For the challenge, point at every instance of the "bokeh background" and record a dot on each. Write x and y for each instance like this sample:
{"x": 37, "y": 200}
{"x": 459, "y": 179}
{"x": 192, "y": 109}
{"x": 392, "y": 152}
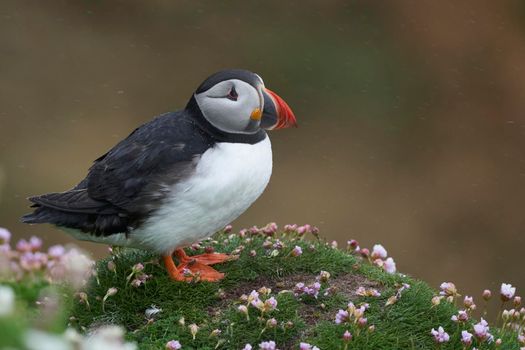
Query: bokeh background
{"x": 412, "y": 124}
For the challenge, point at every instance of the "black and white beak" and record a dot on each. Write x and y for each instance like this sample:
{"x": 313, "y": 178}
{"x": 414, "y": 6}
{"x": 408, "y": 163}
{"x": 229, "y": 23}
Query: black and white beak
{"x": 276, "y": 113}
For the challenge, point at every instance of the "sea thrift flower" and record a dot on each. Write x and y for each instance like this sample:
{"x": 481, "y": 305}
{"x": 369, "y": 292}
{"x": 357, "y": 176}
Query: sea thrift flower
{"x": 111, "y": 291}
{"x": 270, "y": 304}
{"x": 436, "y": 300}
{"x": 378, "y": 252}
{"x": 112, "y": 266}
{"x": 365, "y": 253}
{"x": 5, "y": 236}
{"x": 507, "y": 292}
{"x": 267, "y": 345}
{"x": 462, "y": 316}
{"x": 481, "y": 330}
{"x": 193, "y": 330}
{"x": 228, "y": 229}
{"x": 487, "y": 294}
{"x": 347, "y": 336}
{"x": 324, "y": 276}
{"x": 468, "y": 302}
{"x": 361, "y": 291}
{"x": 35, "y": 243}
{"x": 341, "y": 316}
{"x": 271, "y": 323}
{"x": 247, "y": 347}
{"x": 296, "y": 251}
{"x": 466, "y": 338}
{"x": 173, "y": 345}
{"x": 333, "y": 245}
{"x": 23, "y": 246}
{"x": 306, "y": 346}
{"x": 243, "y": 310}
{"x": 517, "y": 301}
{"x": 389, "y": 265}
{"x": 448, "y": 289}
{"x": 440, "y": 336}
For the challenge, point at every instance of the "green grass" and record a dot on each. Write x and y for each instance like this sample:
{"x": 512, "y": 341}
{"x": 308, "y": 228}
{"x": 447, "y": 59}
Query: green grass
{"x": 403, "y": 325}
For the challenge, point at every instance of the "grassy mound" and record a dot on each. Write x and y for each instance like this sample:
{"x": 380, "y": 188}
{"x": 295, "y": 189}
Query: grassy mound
{"x": 204, "y": 315}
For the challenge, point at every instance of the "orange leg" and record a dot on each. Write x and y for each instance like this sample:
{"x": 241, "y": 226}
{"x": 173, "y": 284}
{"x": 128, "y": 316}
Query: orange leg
{"x": 205, "y": 259}
{"x": 190, "y": 269}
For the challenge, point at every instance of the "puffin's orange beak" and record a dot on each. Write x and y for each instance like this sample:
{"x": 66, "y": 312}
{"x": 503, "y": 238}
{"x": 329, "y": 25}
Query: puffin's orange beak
{"x": 276, "y": 114}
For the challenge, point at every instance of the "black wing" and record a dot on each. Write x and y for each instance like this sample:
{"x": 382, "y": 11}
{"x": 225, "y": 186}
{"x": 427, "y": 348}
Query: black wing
{"x": 130, "y": 181}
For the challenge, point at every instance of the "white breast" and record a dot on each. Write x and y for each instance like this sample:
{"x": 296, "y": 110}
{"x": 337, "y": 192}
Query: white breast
{"x": 228, "y": 179}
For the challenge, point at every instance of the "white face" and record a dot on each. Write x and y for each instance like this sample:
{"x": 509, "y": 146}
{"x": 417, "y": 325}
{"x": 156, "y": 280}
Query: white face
{"x": 230, "y": 105}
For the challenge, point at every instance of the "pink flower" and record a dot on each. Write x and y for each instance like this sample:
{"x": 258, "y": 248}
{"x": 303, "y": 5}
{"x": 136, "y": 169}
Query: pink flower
{"x": 487, "y": 294}
{"x": 468, "y": 302}
{"x": 341, "y": 316}
{"x": 466, "y": 338}
{"x": 270, "y": 304}
{"x": 347, "y": 336}
{"x": 362, "y": 291}
{"x": 378, "y": 252}
{"x": 389, "y": 265}
{"x": 507, "y": 292}
{"x": 35, "y": 243}
{"x": 440, "y": 336}
{"x": 5, "y": 235}
{"x": 296, "y": 251}
{"x": 173, "y": 345}
{"x": 481, "y": 330}
{"x": 306, "y": 346}
{"x": 365, "y": 253}
{"x": 462, "y": 316}
{"x": 247, "y": 347}
{"x": 56, "y": 251}
{"x": 448, "y": 289}
{"x": 23, "y": 246}
{"x": 267, "y": 345}
{"x": 228, "y": 229}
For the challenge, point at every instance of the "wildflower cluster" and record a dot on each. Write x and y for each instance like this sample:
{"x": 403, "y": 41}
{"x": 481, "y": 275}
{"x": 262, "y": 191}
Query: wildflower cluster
{"x": 378, "y": 256}
{"x": 27, "y": 260}
{"x": 260, "y": 300}
{"x": 137, "y": 275}
{"x": 478, "y": 333}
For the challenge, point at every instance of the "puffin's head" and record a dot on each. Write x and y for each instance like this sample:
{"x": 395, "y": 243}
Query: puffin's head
{"x": 236, "y": 101}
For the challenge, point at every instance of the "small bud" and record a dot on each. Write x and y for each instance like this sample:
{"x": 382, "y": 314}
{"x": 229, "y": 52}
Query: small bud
{"x": 112, "y": 266}
{"x": 253, "y": 253}
{"x": 228, "y": 229}
{"x": 371, "y": 328}
{"x": 182, "y": 321}
{"x": 487, "y": 294}
{"x": 289, "y": 325}
{"x": 215, "y": 333}
{"x": 193, "y": 330}
{"x": 517, "y": 301}
{"x": 271, "y": 323}
{"x": 436, "y": 300}
{"x": 347, "y": 336}
{"x": 324, "y": 276}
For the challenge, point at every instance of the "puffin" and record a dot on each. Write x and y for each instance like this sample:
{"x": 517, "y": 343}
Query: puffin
{"x": 178, "y": 178}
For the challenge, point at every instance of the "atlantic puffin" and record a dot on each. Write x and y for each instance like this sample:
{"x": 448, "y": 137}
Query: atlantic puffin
{"x": 178, "y": 178}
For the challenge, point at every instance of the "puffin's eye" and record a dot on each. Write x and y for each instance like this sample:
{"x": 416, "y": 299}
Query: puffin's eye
{"x": 232, "y": 95}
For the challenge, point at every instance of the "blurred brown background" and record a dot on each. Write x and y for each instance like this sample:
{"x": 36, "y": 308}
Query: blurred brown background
{"x": 412, "y": 125}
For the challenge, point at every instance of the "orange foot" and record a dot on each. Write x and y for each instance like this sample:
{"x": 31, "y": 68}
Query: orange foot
{"x": 196, "y": 267}
{"x": 204, "y": 259}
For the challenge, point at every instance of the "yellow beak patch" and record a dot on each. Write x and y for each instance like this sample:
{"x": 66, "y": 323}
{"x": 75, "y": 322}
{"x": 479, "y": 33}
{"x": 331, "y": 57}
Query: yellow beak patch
{"x": 256, "y": 114}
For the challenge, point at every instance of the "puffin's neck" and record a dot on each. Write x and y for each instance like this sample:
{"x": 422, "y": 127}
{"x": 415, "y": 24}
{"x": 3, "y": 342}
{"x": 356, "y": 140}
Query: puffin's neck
{"x": 193, "y": 110}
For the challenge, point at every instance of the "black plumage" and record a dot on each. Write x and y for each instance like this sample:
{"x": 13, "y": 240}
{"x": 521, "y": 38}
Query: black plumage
{"x": 127, "y": 184}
